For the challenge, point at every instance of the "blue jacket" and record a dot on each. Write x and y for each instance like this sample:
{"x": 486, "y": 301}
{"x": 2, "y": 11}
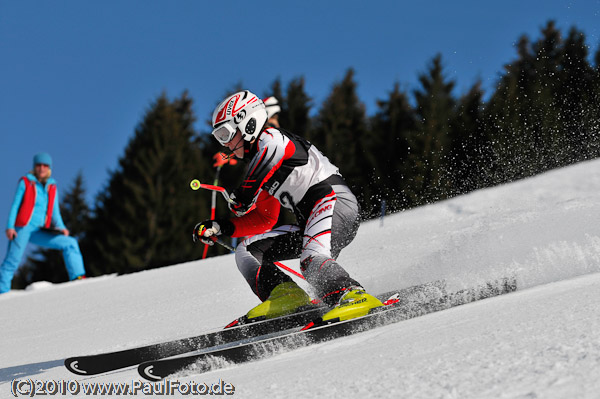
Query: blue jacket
{"x": 40, "y": 207}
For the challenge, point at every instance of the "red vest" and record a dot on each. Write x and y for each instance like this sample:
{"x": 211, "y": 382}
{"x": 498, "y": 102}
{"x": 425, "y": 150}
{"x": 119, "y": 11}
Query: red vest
{"x": 28, "y": 203}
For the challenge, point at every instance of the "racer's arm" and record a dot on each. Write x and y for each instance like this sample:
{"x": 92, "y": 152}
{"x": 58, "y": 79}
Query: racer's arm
{"x": 273, "y": 150}
{"x": 262, "y": 218}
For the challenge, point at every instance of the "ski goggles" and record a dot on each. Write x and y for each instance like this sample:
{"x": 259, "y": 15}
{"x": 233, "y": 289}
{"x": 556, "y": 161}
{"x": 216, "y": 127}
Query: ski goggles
{"x": 224, "y": 133}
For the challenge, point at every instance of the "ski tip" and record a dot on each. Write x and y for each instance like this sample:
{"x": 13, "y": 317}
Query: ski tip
{"x": 72, "y": 364}
{"x": 147, "y": 371}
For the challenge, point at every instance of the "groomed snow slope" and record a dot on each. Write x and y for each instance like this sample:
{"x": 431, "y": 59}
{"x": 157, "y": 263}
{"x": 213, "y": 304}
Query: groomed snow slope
{"x": 541, "y": 341}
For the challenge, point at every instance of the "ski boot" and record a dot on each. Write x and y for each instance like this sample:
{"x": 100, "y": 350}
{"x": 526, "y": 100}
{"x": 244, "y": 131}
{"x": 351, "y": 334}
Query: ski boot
{"x": 356, "y": 302}
{"x": 286, "y": 298}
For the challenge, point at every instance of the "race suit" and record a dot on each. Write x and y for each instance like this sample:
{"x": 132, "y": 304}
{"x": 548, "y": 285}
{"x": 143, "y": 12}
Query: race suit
{"x": 287, "y": 170}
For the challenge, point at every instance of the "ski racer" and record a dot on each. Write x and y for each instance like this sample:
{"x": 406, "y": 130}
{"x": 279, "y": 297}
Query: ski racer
{"x": 286, "y": 170}
{"x": 35, "y": 217}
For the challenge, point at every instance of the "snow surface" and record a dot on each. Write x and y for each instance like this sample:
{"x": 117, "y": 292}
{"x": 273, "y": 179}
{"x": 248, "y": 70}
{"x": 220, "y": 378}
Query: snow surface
{"x": 542, "y": 341}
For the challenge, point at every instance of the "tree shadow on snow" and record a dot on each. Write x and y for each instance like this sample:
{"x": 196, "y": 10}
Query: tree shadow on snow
{"x": 27, "y": 370}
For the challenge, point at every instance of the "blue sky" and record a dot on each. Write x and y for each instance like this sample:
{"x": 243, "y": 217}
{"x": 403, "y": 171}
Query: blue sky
{"x": 78, "y": 76}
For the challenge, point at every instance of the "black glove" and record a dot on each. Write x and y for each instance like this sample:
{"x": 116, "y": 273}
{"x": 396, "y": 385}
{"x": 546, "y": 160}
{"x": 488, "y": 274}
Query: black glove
{"x": 238, "y": 207}
{"x": 207, "y": 231}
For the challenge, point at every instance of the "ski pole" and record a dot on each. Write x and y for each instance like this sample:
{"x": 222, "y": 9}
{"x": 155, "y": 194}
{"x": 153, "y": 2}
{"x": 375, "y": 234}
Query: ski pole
{"x": 279, "y": 264}
{"x": 222, "y": 243}
{"x": 213, "y": 204}
{"x": 196, "y": 185}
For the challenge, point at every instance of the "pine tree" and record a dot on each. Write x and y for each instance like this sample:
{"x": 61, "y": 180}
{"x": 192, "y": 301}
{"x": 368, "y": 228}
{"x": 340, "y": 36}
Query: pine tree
{"x": 470, "y": 147}
{"x": 295, "y": 116}
{"x": 579, "y": 110}
{"x": 509, "y": 117}
{"x": 276, "y": 91}
{"x": 340, "y": 130}
{"x": 541, "y": 115}
{"x": 430, "y": 143}
{"x": 144, "y": 217}
{"x": 74, "y": 208}
{"x": 594, "y": 110}
{"x": 545, "y": 135}
{"x": 388, "y": 150}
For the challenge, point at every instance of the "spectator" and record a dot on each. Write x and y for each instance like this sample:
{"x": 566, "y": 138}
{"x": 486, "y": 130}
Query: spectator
{"x": 35, "y": 217}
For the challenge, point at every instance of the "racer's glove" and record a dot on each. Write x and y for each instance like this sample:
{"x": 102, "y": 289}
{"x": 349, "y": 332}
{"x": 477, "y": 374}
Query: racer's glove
{"x": 207, "y": 231}
{"x": 238, "y": 207}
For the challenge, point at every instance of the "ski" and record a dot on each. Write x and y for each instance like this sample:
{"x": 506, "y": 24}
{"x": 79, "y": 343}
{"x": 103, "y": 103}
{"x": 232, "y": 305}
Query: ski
{"x": 103, "y": 362}
{"x": 235, "y": 331}
{"x": 267, "y": 346}
{"x": 252, "y": 349}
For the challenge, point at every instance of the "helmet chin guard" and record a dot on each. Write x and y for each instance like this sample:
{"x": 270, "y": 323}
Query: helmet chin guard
{"x": 243, "y": 111}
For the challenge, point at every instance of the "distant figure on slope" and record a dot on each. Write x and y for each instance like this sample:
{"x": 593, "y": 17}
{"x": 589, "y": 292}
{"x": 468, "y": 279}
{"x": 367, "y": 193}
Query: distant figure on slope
{"x": 35, "y": 217}
{"x": 273, "y": 110}
{"x": 287, "y": 170}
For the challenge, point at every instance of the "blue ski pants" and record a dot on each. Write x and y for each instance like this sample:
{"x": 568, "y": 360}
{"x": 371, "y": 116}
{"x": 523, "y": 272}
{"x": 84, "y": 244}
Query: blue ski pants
{"x": 16, "y": 248}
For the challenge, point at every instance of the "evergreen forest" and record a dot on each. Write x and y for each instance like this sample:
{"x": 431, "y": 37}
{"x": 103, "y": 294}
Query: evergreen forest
{"x": 417, "y": 148}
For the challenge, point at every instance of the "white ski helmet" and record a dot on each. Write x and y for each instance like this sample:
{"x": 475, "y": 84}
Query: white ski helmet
{"x": 242, "y": 110}
{"x": 272, "y": 106}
